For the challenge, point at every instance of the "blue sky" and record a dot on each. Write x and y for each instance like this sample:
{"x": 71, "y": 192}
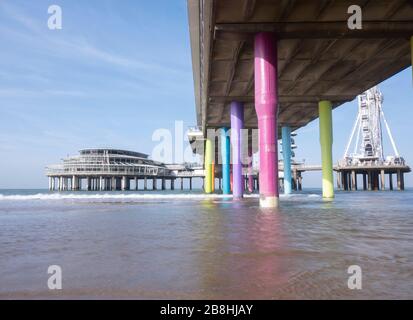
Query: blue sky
{"x": 117, "y": 71}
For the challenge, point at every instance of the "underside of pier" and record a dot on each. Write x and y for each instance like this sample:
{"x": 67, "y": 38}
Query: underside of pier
{"x": 319, "y": 57}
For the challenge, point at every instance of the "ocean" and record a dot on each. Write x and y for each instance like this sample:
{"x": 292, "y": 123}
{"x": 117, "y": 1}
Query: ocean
{"x": 187, "y": 245}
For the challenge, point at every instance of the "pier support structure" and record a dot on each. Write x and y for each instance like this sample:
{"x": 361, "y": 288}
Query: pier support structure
{"x": 250, "y": 183}
{"x": 237, "y": 124}
{"x": 326, "y": 142}
{"x": 286, "y": 147}
{"x": 226, "y": 159}
{"x": 266, "y": 101}
{"x": 208, "y": 165}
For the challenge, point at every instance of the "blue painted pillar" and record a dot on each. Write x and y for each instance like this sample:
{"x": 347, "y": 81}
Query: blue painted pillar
{"x": 286, "y": 138}
{"x": 237, "y": 123}
{"x": 226, "y": 159}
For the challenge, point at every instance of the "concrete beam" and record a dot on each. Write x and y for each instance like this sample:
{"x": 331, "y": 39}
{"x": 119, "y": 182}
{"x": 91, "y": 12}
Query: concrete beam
{"x": 285, "y": 98}
{"x": 315, "y": 30}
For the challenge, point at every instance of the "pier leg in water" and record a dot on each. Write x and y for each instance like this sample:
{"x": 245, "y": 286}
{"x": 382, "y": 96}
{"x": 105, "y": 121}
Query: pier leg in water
{"x": 208, "y": 166}
{"x": 226, "y": 158}
{"x": 266, "y": 102}
{"x": 213, "y": 172}
{"x": 286, "y": 138}
{"x": 250, "y": 173}
{"x": 237, "y": 123}
{"x": 326, "y": 142}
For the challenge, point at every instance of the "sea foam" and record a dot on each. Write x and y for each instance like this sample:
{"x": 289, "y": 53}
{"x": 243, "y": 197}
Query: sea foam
{"x": 133, "y": 196}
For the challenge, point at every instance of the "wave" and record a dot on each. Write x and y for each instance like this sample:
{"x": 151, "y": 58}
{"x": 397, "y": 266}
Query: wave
{"x": 132, "y": 197}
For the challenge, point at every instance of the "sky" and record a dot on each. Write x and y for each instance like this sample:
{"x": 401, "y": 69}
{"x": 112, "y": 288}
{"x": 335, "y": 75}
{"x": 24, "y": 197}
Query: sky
{"x": 114, "y": 74}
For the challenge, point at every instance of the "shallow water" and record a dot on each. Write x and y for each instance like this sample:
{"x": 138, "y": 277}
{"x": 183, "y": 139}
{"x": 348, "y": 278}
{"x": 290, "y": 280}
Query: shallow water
{"x": 158, "y": 245}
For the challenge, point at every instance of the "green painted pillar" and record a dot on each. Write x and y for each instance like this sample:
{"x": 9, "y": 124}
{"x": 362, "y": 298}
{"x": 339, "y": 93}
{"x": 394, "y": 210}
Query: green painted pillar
{"x": 208, "y": 166}
{"x": 326, "y": 142}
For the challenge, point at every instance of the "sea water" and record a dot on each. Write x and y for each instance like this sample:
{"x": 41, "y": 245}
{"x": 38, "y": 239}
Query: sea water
{"x": 188, "y": 245}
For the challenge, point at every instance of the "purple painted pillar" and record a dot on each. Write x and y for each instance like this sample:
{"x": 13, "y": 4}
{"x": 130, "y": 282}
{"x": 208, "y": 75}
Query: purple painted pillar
{"x": 237, "y": 123}
{"x": 266, "y": 100}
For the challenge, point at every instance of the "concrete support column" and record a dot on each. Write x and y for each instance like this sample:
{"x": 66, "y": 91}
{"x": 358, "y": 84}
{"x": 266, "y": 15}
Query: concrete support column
{"x": 123, "y": 183}
{"x": 163, "y": 184}
{"x": 338, "y": 174}
{"x": 369, "y": 180}
{"x": 136, "y": 183}
{"x": 326, "y": 142}
{"x": 101, "y": 184}
{"x": 383, "y": 180}
{"x": 154, "y": 184}
{"x": 364, "y": 182}
{"x": 182, "y": 183}
{"x": 294, "y": 182}
{"x": 145, "y": 183}
{"x": 237, "y": 124}
{"x": 353, "y": 180}
{"x": 50, "y": 183}
{"x": 226, "y": 159}
{"x": 300, "y": 183}
{"x": 250, "y": 172}
{"x": 399, "y": 180}
{"x": 402, "y": 181}
{"x": 208, "y": 166}
{"x": 190, "y": 183}
{"x": 266, "y": 104}
{"x": 75, "y": 183}
{"x": 213, "y": 171}
{"x": 375, "y": 180}
{"x": 391, "y": 181}
{"x": 286, "y": 147}
{"x": 173, "y": 184}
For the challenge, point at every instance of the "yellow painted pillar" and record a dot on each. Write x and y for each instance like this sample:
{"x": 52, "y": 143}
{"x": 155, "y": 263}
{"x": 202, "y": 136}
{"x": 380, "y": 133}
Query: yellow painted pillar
{"x": 208, "y": 166}
{"x": 326, "y": 142}
{"x": 213, "y": 176}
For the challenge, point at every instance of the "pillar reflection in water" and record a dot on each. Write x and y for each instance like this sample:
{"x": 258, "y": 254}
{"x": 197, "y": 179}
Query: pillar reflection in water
{"x": 239, "y": 253}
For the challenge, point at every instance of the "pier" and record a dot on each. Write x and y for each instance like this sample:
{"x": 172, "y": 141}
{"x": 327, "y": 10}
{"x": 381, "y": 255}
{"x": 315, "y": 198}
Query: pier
{"x": 118, "y": 170}
{"x": 275, "y": 66}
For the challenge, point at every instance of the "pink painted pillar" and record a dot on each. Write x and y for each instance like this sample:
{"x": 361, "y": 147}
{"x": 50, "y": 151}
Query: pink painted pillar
{"x": 266, "y": 100}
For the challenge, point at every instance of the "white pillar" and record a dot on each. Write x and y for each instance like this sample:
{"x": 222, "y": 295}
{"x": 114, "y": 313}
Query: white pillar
{"x": 123, "y": 183}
